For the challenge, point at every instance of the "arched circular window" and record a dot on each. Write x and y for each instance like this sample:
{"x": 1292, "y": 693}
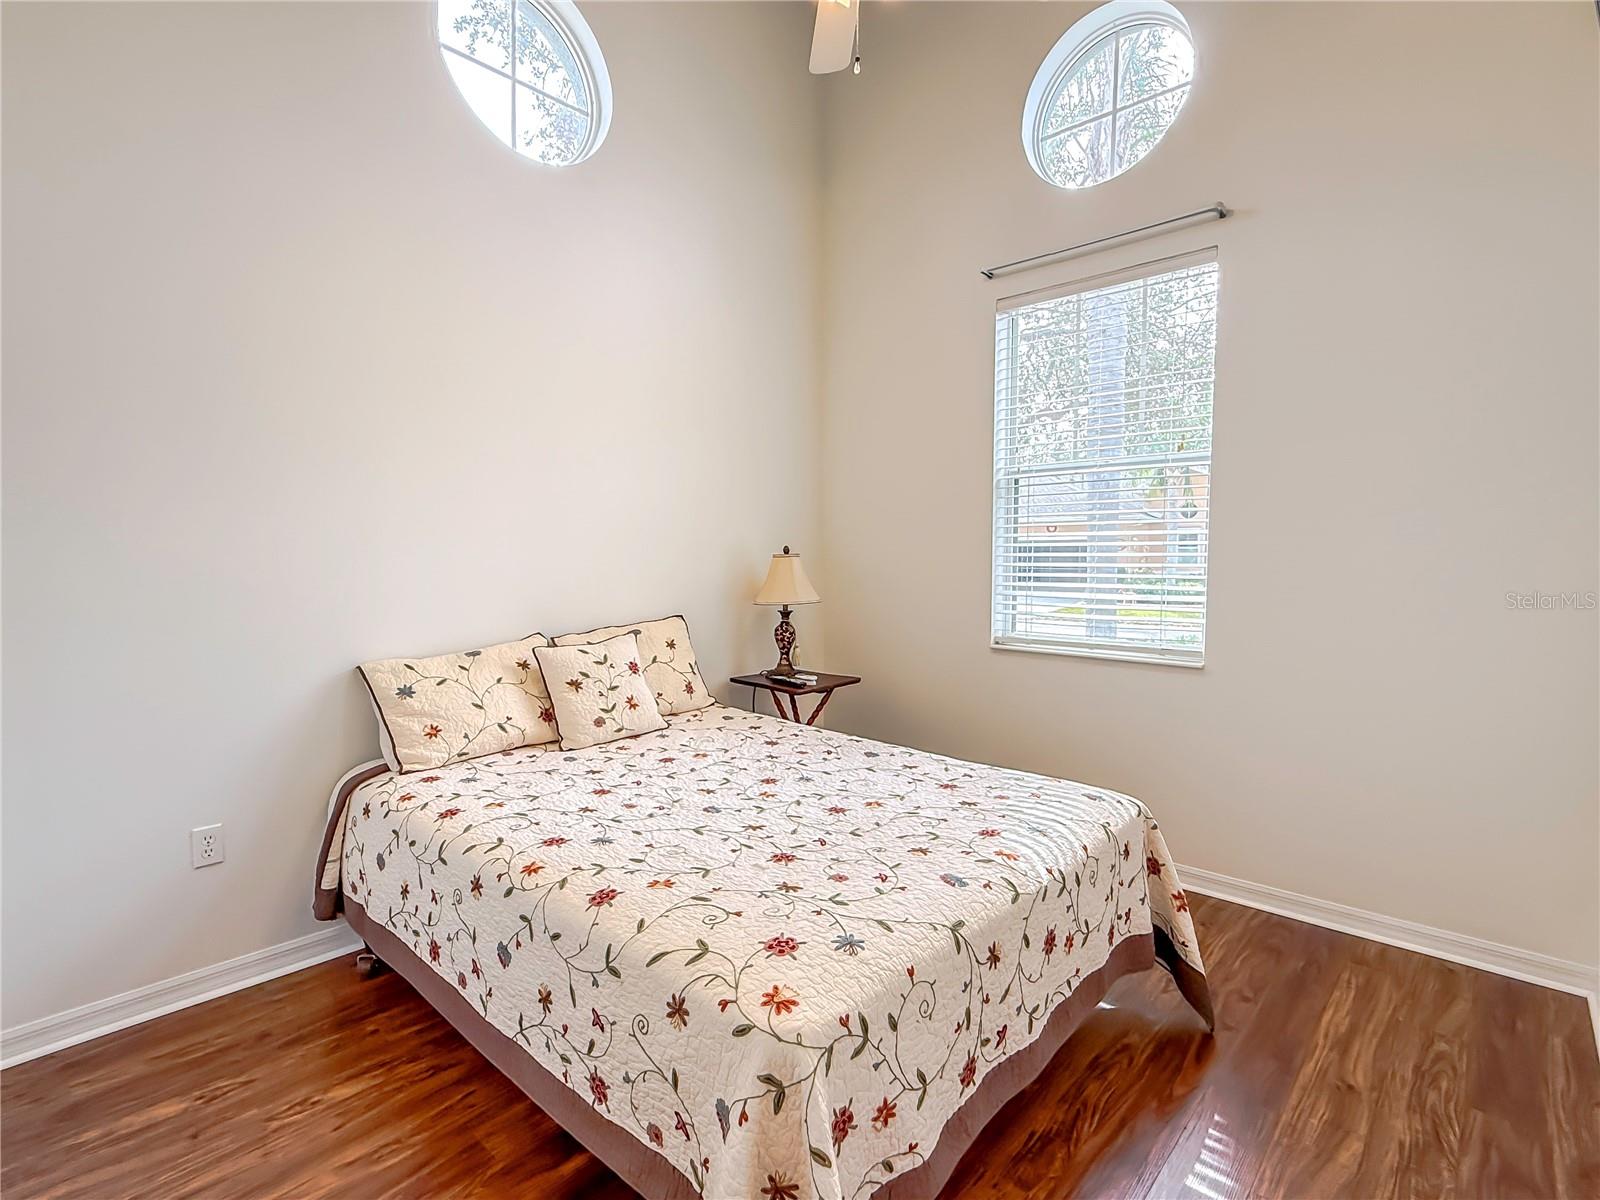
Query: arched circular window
{"x": 1107, "y": 91}
{"x": 532, "y": 72}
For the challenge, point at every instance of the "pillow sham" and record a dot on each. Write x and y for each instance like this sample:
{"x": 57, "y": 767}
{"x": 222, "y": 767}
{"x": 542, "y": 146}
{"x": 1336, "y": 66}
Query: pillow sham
{"x": 667, "y": 659}
{"x": 452, "y": 707}
{"x": 599, "y": 691}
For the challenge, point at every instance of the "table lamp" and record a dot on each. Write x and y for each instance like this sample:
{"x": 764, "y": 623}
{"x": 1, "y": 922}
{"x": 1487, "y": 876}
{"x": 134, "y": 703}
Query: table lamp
{"x": 786, "y": 584}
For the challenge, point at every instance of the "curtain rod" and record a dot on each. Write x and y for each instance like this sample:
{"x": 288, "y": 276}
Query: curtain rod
{"x": 1218, "y": 210}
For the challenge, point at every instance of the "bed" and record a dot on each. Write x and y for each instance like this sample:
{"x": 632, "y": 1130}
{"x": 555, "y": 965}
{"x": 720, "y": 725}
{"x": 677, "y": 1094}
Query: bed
{"x": 741, "y": 957}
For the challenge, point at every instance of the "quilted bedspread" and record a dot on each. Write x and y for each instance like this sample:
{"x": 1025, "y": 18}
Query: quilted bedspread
{"x": 782, "y": 957}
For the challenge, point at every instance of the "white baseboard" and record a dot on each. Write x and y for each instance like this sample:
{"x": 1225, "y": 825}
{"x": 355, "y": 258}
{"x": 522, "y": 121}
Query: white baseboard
{"x": 1392, "y": 931}
{"x": 90, "y": 1021}
{"x": 1526, "y": 965}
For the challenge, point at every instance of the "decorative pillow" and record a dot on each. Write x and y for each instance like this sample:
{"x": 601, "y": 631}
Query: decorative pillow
{"x": 436, "y": 711}
{"x": 668, "y": 662}
{"x": 599, "y": 691}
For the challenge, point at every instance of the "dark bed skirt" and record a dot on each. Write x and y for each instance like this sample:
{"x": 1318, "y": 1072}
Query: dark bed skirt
{"x": 654, "y": 1177}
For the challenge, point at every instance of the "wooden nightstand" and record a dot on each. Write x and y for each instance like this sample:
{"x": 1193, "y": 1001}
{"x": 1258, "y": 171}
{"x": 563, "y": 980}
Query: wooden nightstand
{"x": 825, "y": 686}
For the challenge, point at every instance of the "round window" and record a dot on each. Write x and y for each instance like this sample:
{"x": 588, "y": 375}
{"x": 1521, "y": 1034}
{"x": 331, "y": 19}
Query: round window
{"x": 532, "y": 72}
{"x": 1107, "y": 91}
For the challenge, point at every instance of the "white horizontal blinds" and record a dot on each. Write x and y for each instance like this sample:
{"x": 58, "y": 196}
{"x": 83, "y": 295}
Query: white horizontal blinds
{"x": 1103, "y": 462}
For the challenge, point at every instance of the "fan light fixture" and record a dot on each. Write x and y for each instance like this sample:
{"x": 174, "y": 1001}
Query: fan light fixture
{"x": 836, "y": 41}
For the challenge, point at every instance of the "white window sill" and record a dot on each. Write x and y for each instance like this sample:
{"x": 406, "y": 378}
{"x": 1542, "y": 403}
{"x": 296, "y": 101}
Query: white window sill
{"x": 1111, "y": 655}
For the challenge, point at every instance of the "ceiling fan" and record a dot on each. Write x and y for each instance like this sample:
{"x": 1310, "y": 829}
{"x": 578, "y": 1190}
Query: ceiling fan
{"x": 836, "y": 42}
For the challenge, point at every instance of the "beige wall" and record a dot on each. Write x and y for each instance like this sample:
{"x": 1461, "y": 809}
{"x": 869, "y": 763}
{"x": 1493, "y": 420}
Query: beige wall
{"x": 301, "y": 367}
{"x": 1405, "y": 431}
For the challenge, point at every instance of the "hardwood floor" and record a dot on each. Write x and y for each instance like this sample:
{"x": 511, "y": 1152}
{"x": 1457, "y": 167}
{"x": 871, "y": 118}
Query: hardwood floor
{"x": 1340, "y": 1068}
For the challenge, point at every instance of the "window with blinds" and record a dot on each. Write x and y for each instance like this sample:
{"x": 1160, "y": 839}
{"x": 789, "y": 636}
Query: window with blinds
{"x": 1102, "y": 463}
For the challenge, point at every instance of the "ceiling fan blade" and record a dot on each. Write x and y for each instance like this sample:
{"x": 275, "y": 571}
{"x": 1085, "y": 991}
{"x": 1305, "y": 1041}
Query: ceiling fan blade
{"x": 833, "y": 43}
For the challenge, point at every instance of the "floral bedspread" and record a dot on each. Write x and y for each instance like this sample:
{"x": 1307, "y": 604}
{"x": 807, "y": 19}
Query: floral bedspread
{"x": 781, "y": 956}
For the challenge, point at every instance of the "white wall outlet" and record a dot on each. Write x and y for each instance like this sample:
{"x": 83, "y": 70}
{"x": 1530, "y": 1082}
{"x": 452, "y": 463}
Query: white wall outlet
{"x": 206, "y": 847}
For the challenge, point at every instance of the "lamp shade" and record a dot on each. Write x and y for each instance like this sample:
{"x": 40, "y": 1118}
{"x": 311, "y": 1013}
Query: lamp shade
{"x": 786, "y": 582}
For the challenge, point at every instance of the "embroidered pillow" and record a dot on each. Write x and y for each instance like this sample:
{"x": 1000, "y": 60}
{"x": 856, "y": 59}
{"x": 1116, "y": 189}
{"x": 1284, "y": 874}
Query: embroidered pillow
{"x": 599, "y": 691}
{"x": 436, "y": 711}
{"x": 668, "y": 661}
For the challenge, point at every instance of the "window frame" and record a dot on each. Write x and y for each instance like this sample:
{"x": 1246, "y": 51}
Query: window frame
{"x": 1086, "y": 648}
{"x": 1084, "y": 38}
{"x": 564, "y": 17}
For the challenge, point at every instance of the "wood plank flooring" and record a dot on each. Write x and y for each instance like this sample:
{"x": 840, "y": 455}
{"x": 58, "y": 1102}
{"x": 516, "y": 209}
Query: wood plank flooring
{"x": 1340, "y": 1068}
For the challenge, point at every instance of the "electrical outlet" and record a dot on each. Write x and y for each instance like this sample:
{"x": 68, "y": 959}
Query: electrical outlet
{"x": 206, "y": 847}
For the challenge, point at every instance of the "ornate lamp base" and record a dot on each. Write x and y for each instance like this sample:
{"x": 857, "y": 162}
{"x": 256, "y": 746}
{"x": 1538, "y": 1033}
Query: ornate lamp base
{"x": 784, "y": 635}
